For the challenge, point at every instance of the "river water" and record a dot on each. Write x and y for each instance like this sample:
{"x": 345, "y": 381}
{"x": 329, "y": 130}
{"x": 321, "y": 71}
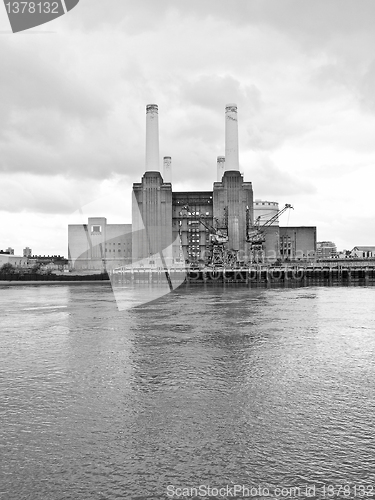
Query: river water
{"x": 203, "y": 388}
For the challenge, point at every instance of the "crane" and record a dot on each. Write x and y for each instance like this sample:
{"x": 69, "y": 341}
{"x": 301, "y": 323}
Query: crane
{"x": 256, "y": 235}
{"x": 216, "y": 235}
{"x": 217, "y": 239}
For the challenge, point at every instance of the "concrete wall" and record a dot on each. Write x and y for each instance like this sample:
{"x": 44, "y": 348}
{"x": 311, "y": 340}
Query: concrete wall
{"x": 297, "y": 242}
{"x": 15, "y": 260}
{"x": 152, "y": 220}
{"x": 231, "y": 199}
{"x": 263, "y": 211}
{"x": 98, "y": 245}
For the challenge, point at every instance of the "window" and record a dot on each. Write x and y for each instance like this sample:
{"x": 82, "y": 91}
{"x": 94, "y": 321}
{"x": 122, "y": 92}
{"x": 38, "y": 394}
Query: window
{"x": 96, "y": 229}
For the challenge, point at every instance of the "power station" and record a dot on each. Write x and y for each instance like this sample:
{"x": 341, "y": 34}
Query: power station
{"x": 224, "y": 227}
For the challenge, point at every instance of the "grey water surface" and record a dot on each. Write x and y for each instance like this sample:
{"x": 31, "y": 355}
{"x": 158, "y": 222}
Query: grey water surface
{"x": 263, "y": 388}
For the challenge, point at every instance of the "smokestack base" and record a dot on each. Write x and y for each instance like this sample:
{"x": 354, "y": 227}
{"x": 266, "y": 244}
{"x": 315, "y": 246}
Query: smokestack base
{"x": 220, "y": 167}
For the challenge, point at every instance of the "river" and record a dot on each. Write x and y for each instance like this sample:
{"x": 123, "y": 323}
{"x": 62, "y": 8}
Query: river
{"x": 189, "y": 396}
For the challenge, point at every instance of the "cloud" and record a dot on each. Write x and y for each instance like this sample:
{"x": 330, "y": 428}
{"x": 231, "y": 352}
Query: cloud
{"x": 270, "y": 181}
{"x": 214, "y": 91}
{"x": 310, "y": 21}
{"x": 367, "y": 89}
{"x": 38, "y": 194}
{"x": 72, "y": 104}
{"x": 32, "y": 79}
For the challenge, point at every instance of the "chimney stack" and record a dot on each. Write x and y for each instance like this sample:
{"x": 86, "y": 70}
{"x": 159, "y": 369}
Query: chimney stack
{"x": 167, "y": 169}
{"x": 220, "y": 167}
{"x": 231, "y": 138}
{"x": 152, "y": 138}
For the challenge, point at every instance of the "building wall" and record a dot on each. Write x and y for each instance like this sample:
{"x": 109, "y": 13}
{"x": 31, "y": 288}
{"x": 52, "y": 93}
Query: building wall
{"x": 118, "y": 247}
{"x": 297, "y": 242}
{"x": 263, "y": 211}
{"x": 15, "y": 260}
{"x": 189, "y": 225}
{"x": 363, "y": 252}
{"x": 152, "y": 220}
{"x": 98, "y": 245}
{"x": 233, "y": 210}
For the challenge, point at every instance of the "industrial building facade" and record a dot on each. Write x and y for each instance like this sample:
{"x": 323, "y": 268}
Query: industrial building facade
{"x": 221, "y": 227}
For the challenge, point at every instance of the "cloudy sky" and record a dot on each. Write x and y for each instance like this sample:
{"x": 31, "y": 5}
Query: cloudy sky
{"x": 72, "y": 110}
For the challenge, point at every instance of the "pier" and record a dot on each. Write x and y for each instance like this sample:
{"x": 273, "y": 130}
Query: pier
{"x": 261, "y": 276}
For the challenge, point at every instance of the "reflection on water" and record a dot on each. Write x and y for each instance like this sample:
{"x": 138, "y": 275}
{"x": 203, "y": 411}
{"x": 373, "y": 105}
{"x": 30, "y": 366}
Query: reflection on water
{"x": 215, "y": 386}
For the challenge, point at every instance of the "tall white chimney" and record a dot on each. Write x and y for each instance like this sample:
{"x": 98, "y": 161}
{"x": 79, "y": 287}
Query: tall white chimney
{"x": 220, "y": 167}
{"x": 167, "y": 169}
{"x": 231, "y": 138}
{"x": 152, "y": 138}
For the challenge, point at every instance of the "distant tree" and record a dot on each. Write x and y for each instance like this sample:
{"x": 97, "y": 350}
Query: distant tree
{"x": 36, "y": 267}
{"x": 7, "y": 268}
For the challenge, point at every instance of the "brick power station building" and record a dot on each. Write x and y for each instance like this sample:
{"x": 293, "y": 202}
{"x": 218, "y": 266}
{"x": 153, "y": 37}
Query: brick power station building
{"x": 196, "y": 227}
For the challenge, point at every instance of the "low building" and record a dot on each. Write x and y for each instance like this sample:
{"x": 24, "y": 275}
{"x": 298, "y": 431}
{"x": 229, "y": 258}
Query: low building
{"x": 297, "y": 243}
{"x": 98, "y": 245}
{"x": 15, "y": 260}
{"x": 363, "y": 252}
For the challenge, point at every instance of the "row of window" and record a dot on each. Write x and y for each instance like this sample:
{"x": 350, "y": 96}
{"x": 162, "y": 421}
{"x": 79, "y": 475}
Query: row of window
{"x": 190, "y": 214}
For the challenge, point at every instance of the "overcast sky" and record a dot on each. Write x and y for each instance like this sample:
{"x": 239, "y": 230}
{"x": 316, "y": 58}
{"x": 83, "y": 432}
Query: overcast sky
{"x": 72, "y": 110}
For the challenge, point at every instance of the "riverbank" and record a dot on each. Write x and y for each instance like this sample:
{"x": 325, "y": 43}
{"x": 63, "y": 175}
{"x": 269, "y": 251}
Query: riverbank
{"x": 45, "y": 279}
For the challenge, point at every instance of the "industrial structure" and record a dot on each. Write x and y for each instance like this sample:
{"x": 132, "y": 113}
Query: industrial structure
{"x": 219, "y": 228}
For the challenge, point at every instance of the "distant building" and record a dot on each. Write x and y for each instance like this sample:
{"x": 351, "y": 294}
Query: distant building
{"x": 10, "y": 250}
{"x": 48, "y": 259}
{"x": 326, "y": 250}
{"x": 27, "y": 252}
{"x": 363, "y": 252}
